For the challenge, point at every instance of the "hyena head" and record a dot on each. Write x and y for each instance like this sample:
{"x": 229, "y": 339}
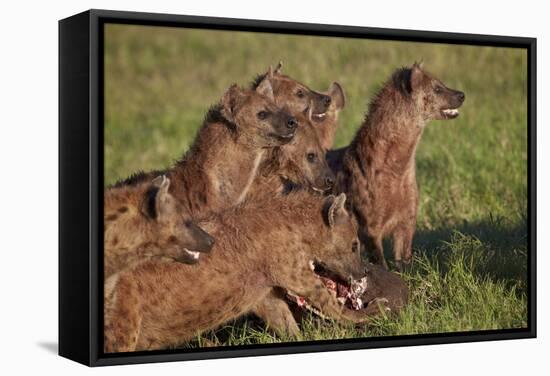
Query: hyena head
{"x": 298, "y": 97}
{"x": 341, "y": 255}
{"x": 156, "y": 220}
{"x": 432, "y": 98}
{"x": 306, "y": 157}
{"x": 257, "y": 118}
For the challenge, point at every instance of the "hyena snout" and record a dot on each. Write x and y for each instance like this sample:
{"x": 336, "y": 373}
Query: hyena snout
{"x": 457, "y": 98}
{"x": 283, "y": 127}
{"x": 292, "y": 123}
{"x": 202, "y": 241}
{"x": 321, "y": 103}
{"x": 324, "y": 181}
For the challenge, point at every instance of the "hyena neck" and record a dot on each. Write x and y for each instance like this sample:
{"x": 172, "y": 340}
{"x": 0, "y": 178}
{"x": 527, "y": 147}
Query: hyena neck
{"x": 390, "y": 133}
{"x": 217, "y": 171}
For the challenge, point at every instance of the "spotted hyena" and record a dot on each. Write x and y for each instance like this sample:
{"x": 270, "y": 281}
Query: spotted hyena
{"x": 300, "y": 164}
{"x": 219, "y": 168}
{"x": 298, "y": 98}
{"x": 377, "y": 170}
{"x": 145, "y": 221}
{"x": 298, "y": 242}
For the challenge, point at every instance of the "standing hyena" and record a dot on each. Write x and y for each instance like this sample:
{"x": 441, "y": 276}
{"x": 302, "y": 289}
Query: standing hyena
{"x": 144, "y": 221}
{"x": 377, "y": 170}
{"x": 219, "y": 168}
{"x": 298, "y": 98}
{"x": 298, "y": 242}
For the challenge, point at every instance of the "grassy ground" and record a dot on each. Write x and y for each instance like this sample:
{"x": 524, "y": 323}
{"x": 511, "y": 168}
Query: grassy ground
{"x": 471, "y": 255}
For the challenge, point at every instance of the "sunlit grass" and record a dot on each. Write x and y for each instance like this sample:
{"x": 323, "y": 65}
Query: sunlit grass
{"x": 470, "y": 264}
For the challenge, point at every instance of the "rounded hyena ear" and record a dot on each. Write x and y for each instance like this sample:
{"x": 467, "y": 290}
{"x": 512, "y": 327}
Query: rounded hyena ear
{"x": 158, "y": 202}
{"x": 232, "y": 100}
{"x": 278, "y": 68}
{"x": 416, "y": 75}
{"x": 335, "y": 210}
{"x": 337, "y": 96}
{"x": 265, "y": 88}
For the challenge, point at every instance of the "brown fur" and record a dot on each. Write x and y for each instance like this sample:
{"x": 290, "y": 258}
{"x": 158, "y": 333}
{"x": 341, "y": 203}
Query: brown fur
{"x": 258, "y": 247}
{"x": 383, "y": 284}
{"x": 378, "y": 170}
{"x": 298, "y": 98}
{"x": 144, "y": 221}
{"x": 299, "y": 164}
{"x": 224, "y": 159}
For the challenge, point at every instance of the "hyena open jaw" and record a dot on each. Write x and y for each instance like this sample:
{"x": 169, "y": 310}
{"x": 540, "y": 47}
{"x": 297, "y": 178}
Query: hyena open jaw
{"x": 144, "y": 221}
{"x": 299, "y": 98}
{"x": 377, "y": 170}
{"x": 258, "y": 247}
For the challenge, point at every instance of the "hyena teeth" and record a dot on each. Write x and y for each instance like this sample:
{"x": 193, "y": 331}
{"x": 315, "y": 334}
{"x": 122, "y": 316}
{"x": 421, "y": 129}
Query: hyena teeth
{"x": 193, "y": 254}
{"x": 452, "y": 111}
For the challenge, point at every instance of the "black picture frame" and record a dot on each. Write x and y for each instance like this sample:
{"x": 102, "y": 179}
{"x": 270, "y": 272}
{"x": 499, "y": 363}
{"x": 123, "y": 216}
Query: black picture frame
{"x": 81, "y": 182}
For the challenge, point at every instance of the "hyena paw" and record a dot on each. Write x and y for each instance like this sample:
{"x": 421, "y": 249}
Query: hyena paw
{"x": 382, "y": 303}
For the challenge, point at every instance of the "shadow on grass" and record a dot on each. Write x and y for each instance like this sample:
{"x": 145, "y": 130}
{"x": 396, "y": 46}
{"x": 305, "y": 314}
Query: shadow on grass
{"x": 454, "y": 263}
{"x": 494, "y": 247}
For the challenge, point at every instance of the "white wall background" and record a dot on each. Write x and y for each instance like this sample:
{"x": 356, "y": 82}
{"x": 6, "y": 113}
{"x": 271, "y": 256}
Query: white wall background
{"x": 28, "y": 206}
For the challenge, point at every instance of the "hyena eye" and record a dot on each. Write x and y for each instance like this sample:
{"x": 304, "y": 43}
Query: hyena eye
{"x": 300, "y": 94}
{"x": 438, "y": 89}
{"x": 311, "y": 157}
{"x": 262, "y": 115}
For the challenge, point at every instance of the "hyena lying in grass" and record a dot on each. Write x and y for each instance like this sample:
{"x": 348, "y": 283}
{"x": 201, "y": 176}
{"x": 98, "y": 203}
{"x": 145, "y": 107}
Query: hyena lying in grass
{"x": 144, "y": 221}
{"x": 298, "y": 98}
{"x": 223, "y": 161}
{"x": 298, "y": 242}
{"x": 377, "y": 170}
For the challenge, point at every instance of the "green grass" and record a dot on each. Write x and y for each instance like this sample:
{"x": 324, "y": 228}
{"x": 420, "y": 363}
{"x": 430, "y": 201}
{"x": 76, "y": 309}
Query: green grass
{"x": 470, "y": 265}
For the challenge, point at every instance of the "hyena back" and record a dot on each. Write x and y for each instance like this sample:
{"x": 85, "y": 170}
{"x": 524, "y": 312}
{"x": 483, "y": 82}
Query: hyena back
{"x": 280, "y": 242}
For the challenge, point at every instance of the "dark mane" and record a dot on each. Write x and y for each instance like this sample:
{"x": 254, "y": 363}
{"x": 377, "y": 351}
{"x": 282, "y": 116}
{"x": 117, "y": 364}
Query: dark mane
{"x": 256, "y": 81}
{"x": 137, "y": 178}
{"x": 214, "y": 115}
{"x": 401, "y": 80}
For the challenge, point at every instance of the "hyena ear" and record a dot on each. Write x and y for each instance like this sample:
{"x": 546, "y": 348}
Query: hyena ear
{"x": 416, "y": 75}
{"x": 265, "y": 88}
{"x": 232, "y": 100}
{"x": 335, "y": 210}
{"x": 278, "y": 68}
{"x": 336, "y": 93}
{"x": 158, "y": 202}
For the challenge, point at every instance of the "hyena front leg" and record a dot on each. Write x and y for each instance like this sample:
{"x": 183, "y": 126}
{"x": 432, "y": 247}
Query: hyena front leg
{"x": 402, "y": 245}
{"x": 122, "y": 318}
{"x": 276, "y": 314}
{"x": 374, "y": 248}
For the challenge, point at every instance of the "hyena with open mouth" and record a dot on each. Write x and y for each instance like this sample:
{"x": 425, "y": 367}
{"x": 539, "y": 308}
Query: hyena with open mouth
{"x": 144, "y": 221}
{"x": 378, "y": 171}
{"x": 299, "y": 242}
{"x": 299, "y": 98}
